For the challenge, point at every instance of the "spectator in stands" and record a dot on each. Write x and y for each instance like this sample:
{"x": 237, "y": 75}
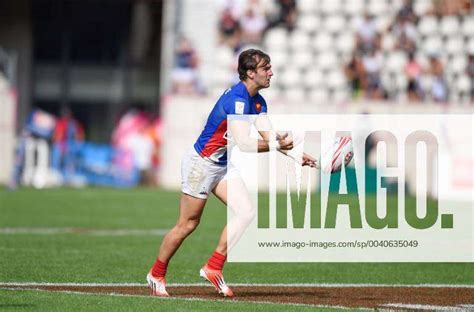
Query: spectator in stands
{"x": 451, "y": 7}
{"x": 185, "y": 76}
{"x": 405, "y": 44}
{"x": 406, "y": 12}
{"x": 229, "y": 27}
{"x": 371, "y": 82}
{"x": 413, "y": 72}
{"x": 354, "y": 72}
{"x": 253, "y": 24}
{"x": 406, "y": 34}
{"x": 367, "y": 37}
{"x": 470, "y": 73}
{"x": 439, "y": 88}
{"x": 286, "y": 14}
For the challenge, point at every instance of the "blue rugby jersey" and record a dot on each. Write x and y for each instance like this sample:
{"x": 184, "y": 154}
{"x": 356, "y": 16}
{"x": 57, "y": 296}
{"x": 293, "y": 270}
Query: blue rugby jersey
{"x": 212, "y": 143}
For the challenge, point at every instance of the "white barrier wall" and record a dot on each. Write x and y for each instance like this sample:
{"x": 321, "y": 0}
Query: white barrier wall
{"x": 7, "y": 131}
{"x": 184, "y": 118}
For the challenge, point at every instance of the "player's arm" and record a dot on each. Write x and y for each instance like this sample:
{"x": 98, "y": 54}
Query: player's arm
{"x": 264, "y": 128}
{"x": 240, "y": 132}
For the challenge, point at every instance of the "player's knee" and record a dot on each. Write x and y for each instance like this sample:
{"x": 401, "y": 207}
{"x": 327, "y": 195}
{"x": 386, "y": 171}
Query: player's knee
{"x": 188, "y": 226}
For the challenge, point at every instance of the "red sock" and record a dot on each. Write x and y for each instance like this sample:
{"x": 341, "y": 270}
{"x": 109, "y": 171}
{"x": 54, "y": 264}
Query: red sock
{"x": 159, "y": 268}
{"x": 216, "y": 261}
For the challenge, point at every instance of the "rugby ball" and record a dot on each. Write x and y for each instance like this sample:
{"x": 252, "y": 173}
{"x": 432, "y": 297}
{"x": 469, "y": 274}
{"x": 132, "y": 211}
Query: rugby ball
{"x": 341, "y": 151}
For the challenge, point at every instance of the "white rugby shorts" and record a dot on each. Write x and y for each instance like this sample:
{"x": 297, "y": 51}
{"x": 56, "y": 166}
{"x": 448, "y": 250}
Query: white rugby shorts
{"x": 200, "y": 176}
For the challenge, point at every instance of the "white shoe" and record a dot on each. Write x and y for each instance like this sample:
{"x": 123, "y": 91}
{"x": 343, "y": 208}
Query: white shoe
{"x": 216, "y": 278}
{"x": 157, "y": 286}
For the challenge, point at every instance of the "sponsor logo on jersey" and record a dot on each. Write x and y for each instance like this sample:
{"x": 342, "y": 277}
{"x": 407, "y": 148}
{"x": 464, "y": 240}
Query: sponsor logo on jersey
{"x": 239, "y": 107}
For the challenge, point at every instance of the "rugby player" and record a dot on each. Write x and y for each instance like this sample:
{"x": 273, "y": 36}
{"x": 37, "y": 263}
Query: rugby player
{"x": 204, "y": 167}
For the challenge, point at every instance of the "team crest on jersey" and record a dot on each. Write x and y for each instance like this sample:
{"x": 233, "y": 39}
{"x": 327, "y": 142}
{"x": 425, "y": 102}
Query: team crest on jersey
{"x": 258, "y": 107}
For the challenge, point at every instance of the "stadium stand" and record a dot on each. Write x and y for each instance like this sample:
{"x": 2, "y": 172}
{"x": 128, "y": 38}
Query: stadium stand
{"x": 404, "y": 46}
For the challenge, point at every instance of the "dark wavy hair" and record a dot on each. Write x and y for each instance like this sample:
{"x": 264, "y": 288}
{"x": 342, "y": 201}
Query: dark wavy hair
{"x": 249, "y": 59}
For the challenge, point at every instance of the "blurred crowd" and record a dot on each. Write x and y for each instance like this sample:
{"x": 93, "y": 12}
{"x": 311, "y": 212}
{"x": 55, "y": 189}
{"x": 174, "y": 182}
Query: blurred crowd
{"x": 363, "y": 71}
{"x": 240, "y": 23}
{"x": 52, "y": 151}
{"x": 246, "y": 22}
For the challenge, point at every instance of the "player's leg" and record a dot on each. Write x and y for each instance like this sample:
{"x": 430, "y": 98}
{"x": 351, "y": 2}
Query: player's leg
{"x": 239, "y": 202}
{"x": 190, "y": 211}
{"x": 196, "y": 184}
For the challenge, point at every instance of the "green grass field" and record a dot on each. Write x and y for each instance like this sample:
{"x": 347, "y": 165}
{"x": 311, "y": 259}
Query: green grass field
{"x": 85, "y": 257}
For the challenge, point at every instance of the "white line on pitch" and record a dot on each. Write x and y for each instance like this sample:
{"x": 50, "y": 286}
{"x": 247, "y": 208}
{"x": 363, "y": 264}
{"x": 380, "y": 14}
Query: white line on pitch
{"x": 197, "y": 299}
{"x": 424, "y": 307}
{"x": 321, "y": 285}
{"x": 85, "y": 231}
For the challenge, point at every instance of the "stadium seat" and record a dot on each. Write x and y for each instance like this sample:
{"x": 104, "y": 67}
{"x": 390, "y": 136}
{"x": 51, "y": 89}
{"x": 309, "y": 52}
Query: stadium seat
{"x": 279, "y": 58}
{"x": 313, "y": 78}
{"x": 319, "y": 96}
{"x": 340, "y": 95}
{"x": 454, "y": 45}
{"x": 388, "y": 42}
{"x": 345, "y": 43}
{"x": 402, "y": 81}
{"x": 299, "y": 40}
{"x": 224, "y": 56}
{"x": 426, "y": 82}
{"x": 290, "y": 77}
{"x": 323, "y": 42}
{"x": 422, "y": 7}
{"x": 468, "y": 26}
{"x": 449, "y": 25}
{"x": 307, "y": 6}
{"x": 271, "y": 93}
{"x": 354, "y": 22}
{"x": 387, "y": 81}
{"x": 354, "y": 8}
{"x": 470, "y": 46}
{"x": 302, "y": 59}
{"x": 397, "y": 4}
{"x": 458, "y": 64}
{"x": 309, "y": 23}
{"x": 428, "y": 25}
{"x": 422, "y": 59}
{"x": 377, "y": 7}
{"x": 216, "y": 91}
{"x": 432, "y": 45}
{"x": 336, "y": 80}
{"x": 327, "y": 61}
{"x": 463, "y": 85}
{"x": 396, "y": 62}
{"x": 276, "y": 38}
{"x": 222, "y": 77}
{"x": 295, "y": 93}
{"x": 334, "y": 23}
{"x": 328, "y": 7}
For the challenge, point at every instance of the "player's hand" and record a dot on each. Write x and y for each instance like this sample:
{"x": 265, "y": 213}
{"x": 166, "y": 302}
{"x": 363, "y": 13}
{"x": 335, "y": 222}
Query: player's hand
{"x": 308, "y": 160}
{"x": 284, "y": 142}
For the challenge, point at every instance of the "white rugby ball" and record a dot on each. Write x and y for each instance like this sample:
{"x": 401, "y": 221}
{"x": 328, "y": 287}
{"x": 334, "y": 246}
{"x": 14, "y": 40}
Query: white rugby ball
{"x": 341, "y": 151}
